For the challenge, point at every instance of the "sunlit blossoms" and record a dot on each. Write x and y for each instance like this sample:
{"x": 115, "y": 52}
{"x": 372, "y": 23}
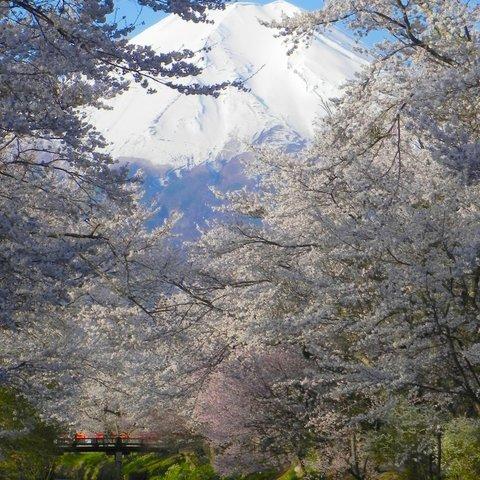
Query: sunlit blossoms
{"x": 337, "y": 305}
{"x": 362, "y": 253}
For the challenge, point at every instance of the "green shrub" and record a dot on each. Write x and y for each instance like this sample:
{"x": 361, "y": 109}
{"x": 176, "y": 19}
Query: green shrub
{"x": 402, "y": 444}
{"x": 461, "y": 449}
{"x": 27, "y": 448}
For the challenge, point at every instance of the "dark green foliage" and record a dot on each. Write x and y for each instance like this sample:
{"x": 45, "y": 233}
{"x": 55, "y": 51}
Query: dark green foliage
{"x": 27, "y": 444}
{"x": 404, "y": 443}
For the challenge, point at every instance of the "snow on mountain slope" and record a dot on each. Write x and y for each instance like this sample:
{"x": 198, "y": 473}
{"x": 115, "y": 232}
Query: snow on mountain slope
{"x": 284, "y": 99}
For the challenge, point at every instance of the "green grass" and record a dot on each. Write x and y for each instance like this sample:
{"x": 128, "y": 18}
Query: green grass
{"x": 98, "y": 466}
{"x": 88, "y": 466}
{"x": 182, "y": 466}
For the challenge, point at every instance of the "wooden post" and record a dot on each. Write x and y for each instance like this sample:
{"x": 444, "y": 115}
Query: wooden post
{"x": 118, "y": 465}
{"x": 439, "y": 452}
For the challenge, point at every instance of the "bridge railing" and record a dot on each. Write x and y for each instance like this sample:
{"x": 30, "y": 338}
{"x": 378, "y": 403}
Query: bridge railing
{"x": 123, "y": 444}
{"x": 104, "y": 444}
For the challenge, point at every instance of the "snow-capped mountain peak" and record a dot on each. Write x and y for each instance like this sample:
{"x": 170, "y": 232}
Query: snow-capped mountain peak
{"x": 284, "y": 97}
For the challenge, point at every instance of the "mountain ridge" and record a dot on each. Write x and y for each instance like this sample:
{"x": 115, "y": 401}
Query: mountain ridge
{"x": 280, "y": 108}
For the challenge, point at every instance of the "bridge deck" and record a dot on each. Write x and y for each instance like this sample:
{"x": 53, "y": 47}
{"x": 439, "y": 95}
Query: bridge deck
{"x": 110, "y": 446}
{"x": 114, "y": 445}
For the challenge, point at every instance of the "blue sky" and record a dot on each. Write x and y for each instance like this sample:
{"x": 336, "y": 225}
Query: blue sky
{"x": 144, "y": 17}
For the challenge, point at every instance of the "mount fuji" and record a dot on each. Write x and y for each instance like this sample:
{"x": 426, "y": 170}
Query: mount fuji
{"x": 203, "y": 136}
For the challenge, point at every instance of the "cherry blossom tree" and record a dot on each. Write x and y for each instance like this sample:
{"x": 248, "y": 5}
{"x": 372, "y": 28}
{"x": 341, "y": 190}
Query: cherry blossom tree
{"x": 79, "y": 268}
{"x": 89, "y": 346}
{"x": 362, "y": 252}
{"x": 254, "y": 412}
{"x": 56, "y": 60}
